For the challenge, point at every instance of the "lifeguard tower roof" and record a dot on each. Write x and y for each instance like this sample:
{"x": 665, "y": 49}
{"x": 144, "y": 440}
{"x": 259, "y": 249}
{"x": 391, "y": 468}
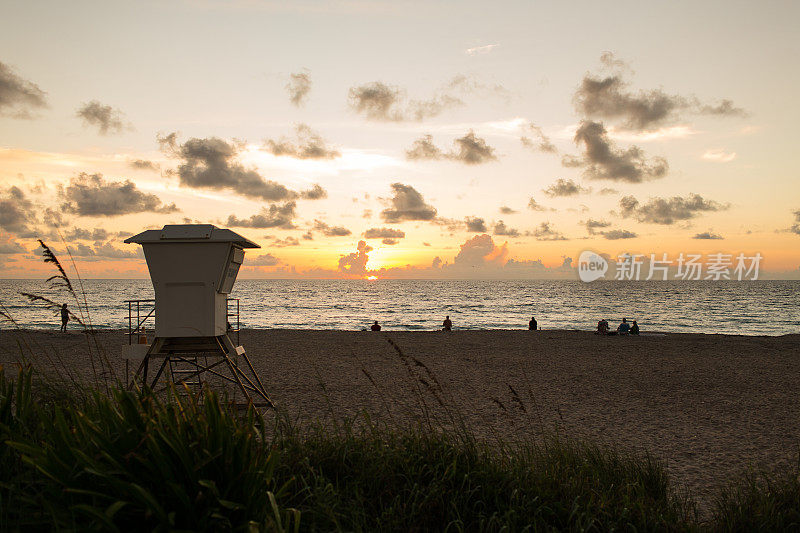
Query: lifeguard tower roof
{"x": 173, "y": 233}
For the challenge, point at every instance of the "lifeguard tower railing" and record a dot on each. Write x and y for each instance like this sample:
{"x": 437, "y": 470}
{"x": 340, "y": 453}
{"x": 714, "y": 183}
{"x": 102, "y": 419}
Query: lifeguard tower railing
{"x": 142, "y": 316}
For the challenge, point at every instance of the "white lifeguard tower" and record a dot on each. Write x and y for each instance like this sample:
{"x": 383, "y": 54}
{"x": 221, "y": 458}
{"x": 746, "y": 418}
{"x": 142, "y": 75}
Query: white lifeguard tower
{"x": 193, "y": 268}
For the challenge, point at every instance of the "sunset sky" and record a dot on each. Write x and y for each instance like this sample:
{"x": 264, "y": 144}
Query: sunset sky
{"x": 401, "y": 139}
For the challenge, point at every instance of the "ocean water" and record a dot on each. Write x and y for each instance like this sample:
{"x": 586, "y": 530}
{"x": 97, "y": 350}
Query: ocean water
{"x": 746, "y": 308}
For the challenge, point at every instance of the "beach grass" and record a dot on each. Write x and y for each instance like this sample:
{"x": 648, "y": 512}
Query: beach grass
{"x": 364, "y": 478}
{"x": 760, "y": 501}
{"x": 130, "y": 461}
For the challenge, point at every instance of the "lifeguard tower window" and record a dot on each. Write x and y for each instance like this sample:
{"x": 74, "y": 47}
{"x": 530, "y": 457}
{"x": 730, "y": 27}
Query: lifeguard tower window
{"x": 235, "y": 259}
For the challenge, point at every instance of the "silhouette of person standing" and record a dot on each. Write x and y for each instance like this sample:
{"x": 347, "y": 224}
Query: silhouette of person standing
{"x": 375, "y": 326}
{"x": 532, "y": 325}
{"x": 447, "y": 325}
{"x": 64, "y": 317}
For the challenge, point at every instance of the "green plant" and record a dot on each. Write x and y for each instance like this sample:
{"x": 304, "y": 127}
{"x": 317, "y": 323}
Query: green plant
{"x": 760, "y": 502}
{"x": 129, "y": 462}
{"x": 367, "y": 478}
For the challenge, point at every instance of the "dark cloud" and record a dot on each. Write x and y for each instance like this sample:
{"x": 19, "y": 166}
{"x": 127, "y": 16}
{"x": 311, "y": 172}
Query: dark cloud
{"x": 307, "y": 144}
{"x": 724, "y": 108}
{"x": 609, "y": 98}
{"x": 504, "y": 209}
{"x": 533, "y": 205}
{"x": 298, "y": 87}
{"x": 603, "y": 160}
{"x": 80, "y": 234}
{"x": 104, "y": 117}
{"x": 564, "y": 187}
{"x": 501, "y": 229}
{"x": 168, "y": 143}
{"x": 288, "y": 241}
{"x": 472, "y": 150}
{"x": 423, "y": 148}
{"x": 109, "y": 251}
{"x": 355, "y": 264}
{"x": 611, "y": 62}
{"x": 308, "y": 236}
{"x": 546, "y": 232}
{"x": 536, "y": 140}
{"x": 81, "y": 250}
{"x": 593, "y": 225}
{"x": 606, "y": 98}
{"x": 91, "y": 195}
{"x": 331, "y": 231}
{"x": 262, "y": 260}
{"x": 707, "y": 235}
{"x": 476, "y": 225}
{"x": 211, "y": 163}
{"x": 424, "y": 109}
{"x": 104, "y": 250}
{"x": 469, "y": 149}
{"x": 667, "y": 210}
{"x": 11, "y": 247}
{"x": 379, "y": 101}
{"x": 384, "y": 233}
{"x": 452, "y": 224}
{"x": 407, "y": 204}
{"x": 53, "y": 218}
{"x": 276, "y": 216}
{"x": 608, "y": 190}
{"x": 616, "y": 234}
{"x": 390, "y": 242}
{"x": 17, "y": 212}
{"x": 17, "y": 95}
{"x": 142, "y": 164}
{"x": 314, "y": 193}
{"x": 796, "y": 226}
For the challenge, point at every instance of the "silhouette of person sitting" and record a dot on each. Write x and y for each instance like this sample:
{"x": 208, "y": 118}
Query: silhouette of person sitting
{"x": 635, "y": 328}
{"x": 375, "y": 326}
{"x": 447, "y": 325}
{"x": 532, "y": 325}
{"x": 64, "y": 317}
{"x": 624, "y": 328}
{"x": 602, "y": 327}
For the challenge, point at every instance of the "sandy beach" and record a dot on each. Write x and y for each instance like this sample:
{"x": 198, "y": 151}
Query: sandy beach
{"x": 709, "y": 406}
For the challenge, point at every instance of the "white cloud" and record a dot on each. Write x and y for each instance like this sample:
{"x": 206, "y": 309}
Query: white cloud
{"x": 480, "y": 50}
{"x": 719, "y": 155}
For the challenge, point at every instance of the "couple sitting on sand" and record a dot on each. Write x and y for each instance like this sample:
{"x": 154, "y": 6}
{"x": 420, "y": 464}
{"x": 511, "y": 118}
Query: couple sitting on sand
{"x": 623, "y": 329}
{"x": 447, "y": 325}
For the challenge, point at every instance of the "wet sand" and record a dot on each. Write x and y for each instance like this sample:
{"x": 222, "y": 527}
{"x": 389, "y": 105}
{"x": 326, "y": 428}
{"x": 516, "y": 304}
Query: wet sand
{"x": 709, "y": 406}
